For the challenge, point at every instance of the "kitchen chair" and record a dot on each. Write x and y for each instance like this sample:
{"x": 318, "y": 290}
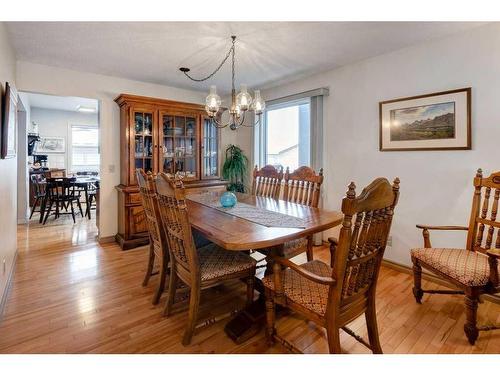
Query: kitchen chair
{"x": 38, "y": 182}
{"x": 334, "y": 297}
{"x": 267, "y": 182}
{"x": 200, "y": 268}
{"x": 158, "y": 250}
{"x": 62, "y": 193}
{"x": 474, "y": 269}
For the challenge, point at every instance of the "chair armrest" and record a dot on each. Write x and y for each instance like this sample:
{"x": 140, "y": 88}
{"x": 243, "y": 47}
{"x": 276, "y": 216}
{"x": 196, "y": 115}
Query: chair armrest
{"x": 443, "y": 227}
{"x": 307, "y": 274}
{"x": 425, "y": 231}
{"x": 494, "y": 253}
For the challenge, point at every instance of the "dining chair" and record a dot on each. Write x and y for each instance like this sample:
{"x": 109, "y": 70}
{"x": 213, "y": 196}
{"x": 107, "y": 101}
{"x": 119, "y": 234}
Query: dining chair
{"x": 473, "y": 269}
{"x": 267, "y": 181}
{"x": 38, "y": 183}
{"x": 158, "y": 249}
{"x": 200, "y": 268}
{"x": 302, "y": 186}
{"x": 61, "y": 193}
{"x": 334, "y": 297}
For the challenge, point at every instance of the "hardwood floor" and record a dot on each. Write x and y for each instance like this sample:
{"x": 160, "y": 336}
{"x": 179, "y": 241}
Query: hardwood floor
{"x": 71, "y": 295}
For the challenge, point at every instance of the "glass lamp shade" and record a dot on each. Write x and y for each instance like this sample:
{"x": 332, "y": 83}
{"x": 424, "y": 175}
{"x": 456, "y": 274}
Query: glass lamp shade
{"x": 243, "y": 99}
{"x": 213, "y": 102}
{"x": 258, "y": 104}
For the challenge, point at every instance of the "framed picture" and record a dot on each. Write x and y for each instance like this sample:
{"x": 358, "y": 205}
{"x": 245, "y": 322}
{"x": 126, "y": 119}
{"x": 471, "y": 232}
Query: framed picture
{"x": 9, "y": 123}
{"x": 439, "y": 121}
{"x": 48, "y": 145}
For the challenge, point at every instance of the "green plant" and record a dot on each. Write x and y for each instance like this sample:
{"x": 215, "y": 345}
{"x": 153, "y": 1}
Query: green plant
{"x": 235, "y": 168}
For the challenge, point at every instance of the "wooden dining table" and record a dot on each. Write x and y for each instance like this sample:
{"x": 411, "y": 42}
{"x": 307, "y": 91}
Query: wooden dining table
{"x": 238, "y": 234}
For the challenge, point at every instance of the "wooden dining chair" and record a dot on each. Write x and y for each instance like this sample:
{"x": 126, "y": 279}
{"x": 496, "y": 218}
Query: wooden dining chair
{"x": 158, "y": 249}
{"x": 302, "y": 186}
{"x": 267, "y": 182}
{"x": 201, "y": 268}
{"x": 334, "y": 297}
{"x": 38, "y": 182}
{"x": 473, "y": 269}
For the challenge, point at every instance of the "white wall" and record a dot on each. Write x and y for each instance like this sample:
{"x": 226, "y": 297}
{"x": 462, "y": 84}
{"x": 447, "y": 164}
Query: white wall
{"x": 8, "y": 173}
{"x": 64, "y": 82}
{"x": 436, "y": 186}
{"x": 55, "y": 123}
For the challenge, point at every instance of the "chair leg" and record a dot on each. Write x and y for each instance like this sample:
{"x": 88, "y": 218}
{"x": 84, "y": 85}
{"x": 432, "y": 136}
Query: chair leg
{"x": 163, "y": 278}
{"x": 194, "y": 303}
{"x": 270, "y": 317}
{"x": 43, "y": 204}
{"x": 151, "y": 262}
{"x": 417, "y": 281}
{"x": 57, "y": 209}
{"x": 48, "y": 213}
{"x": 34, "y": 206}
{"x": 72, "y": 211}
{"x": 79, "y": 206}
{"x": 371, "y": 325}
{"x": 250, "y": 289}
{"x": 333, "y": 335}
{"x": 470, "y": 326}
{"x": 172, "y": 289}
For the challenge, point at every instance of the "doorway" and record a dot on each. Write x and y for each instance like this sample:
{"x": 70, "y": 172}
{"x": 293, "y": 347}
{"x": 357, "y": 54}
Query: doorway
{"x": 58, "y": 161}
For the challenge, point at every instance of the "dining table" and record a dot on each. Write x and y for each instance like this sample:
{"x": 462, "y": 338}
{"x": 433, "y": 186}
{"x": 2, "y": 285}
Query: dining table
{"x": 263, "y": 223}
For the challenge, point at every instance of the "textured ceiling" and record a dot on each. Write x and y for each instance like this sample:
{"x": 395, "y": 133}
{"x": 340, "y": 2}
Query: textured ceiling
{"x": 267, "y": 52}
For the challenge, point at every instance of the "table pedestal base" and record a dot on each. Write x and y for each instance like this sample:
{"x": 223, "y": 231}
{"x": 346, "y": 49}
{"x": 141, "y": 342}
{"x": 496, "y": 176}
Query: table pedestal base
{"x": 248, "y": 322}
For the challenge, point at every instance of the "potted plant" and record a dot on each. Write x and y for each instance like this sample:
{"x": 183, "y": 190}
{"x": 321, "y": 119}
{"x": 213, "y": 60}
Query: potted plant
{"x": 235, "y": 168}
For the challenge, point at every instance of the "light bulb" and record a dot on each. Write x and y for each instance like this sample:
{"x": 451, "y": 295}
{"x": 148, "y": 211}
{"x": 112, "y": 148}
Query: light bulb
{"x": 258, "y": 105}
{"x": 212, "y": 102}
{"x": 244, "y": 99}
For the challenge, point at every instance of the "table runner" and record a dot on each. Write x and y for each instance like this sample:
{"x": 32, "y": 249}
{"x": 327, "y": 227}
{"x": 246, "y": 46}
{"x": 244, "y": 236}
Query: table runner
{"x": 248, "y": 212}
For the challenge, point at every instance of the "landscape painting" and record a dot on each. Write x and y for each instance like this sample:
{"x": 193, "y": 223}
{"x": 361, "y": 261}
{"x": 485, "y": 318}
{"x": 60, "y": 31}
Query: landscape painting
{"x": 438, "y": 121}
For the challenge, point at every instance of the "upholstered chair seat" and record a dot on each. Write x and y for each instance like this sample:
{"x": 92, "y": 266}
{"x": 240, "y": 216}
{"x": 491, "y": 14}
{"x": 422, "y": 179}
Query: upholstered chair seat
{"x": 470, "y": 268}
{"x": 296, "y": 288}
{"x": 216, "y": 263}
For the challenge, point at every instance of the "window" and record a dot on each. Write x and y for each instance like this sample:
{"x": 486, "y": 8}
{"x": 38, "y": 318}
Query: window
{"x": 287, "y": 135}
{"x": 84, "y": 148}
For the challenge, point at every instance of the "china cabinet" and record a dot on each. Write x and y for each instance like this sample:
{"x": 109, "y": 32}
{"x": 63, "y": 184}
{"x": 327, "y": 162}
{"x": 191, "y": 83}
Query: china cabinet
{"x": 161, "y": 135}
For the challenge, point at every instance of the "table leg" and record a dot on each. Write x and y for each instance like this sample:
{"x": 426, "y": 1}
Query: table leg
{"x": 248, "y": 322}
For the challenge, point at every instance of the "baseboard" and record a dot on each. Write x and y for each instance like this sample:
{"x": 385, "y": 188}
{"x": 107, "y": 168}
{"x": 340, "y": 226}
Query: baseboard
{"x": 433, "y": 278}
{"x": 108, "y": 239}
{"x": 3, "y": 300}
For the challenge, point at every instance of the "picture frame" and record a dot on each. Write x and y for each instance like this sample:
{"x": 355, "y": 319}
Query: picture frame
{"x": 9, "y": 123}
{"x": 51, "y": 145}
{"x": 437, "y": 121}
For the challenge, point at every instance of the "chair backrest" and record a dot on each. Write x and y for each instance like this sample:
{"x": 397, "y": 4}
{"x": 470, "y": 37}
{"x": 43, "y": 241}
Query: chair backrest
{"x": 303, "y": 186}
{"x": 38, "y": 185}
{"x": 483, "y": 218}
{"x": 267, "y": 181}
{"x": 60, "y": 187}
{"x": 147, "y": 190}
{"x": 361, "y": 246}
{"x": 175, "y": 220}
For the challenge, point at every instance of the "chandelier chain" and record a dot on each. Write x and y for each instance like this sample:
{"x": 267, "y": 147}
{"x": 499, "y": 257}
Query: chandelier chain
{"x": 229, "y": 53}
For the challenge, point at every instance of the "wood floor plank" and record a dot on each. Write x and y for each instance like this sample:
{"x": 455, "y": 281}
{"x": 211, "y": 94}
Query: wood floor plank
{"x": 71, "y": 295}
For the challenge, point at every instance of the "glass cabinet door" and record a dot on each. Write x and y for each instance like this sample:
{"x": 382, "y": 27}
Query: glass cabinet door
{"x": 178, "y": 147}
{"x": 143, "y": 141}
{"x": 210, "y": 154}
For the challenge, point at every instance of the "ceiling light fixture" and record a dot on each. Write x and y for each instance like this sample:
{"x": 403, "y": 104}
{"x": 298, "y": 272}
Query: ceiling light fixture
{"x": 240, "y": 103}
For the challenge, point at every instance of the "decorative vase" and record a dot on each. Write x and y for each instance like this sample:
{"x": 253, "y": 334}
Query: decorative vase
{"x": 228, "y": 199}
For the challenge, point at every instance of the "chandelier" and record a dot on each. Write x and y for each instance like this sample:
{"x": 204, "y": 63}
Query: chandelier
{"x": 240, "y": 104}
